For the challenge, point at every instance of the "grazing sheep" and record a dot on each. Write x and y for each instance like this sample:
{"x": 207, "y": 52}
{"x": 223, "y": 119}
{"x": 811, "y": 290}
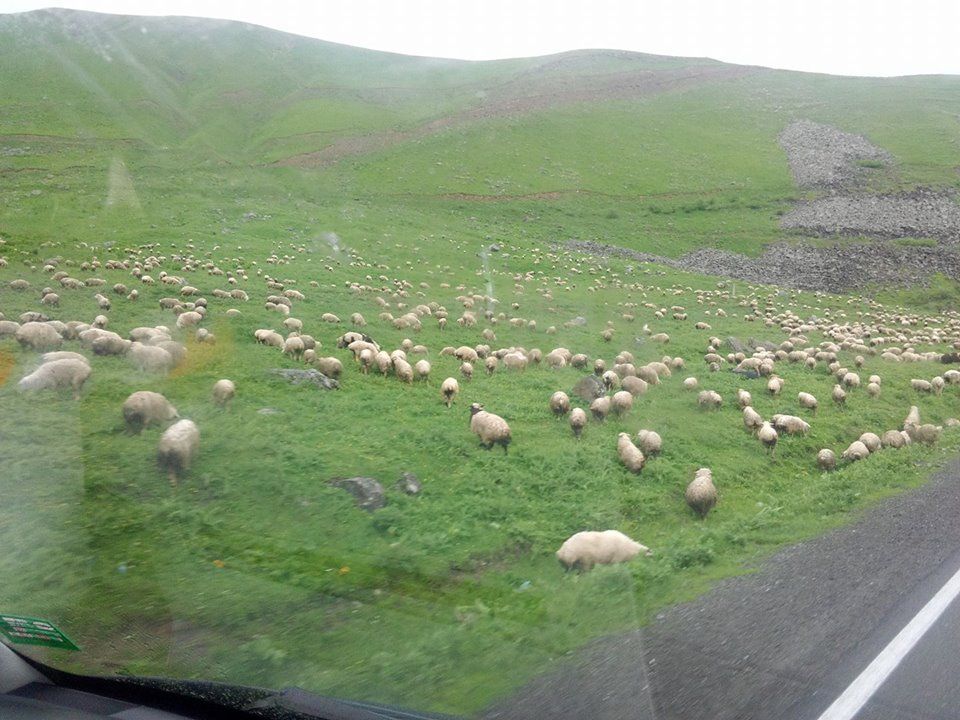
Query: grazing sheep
{"x": 701, "y": 493}
{"x": 145, "y": 408}
{"x": 768, "y": 436}
{"x": 629, "y": 453}
{"x": 744, "y": 399}
{"x": 149, "y": 358}
{"x": 578, "y": 420}
{"x": 330, "y": 366}
{"x": 421, "y": 370}
{"x": 403, "y": 370}
{"x": 188, "y": 319}
{"x": 928, "y": 433}
{"x": 751, "y": 419}
{"x": 775, "y": 385}
{"x": 559, "y": 403}
{"x": 466, "y": 369}
{"x": 913, "y": 418}
{"x": 921, "y": 385}
{"x": 294, "y": 347}
{"x": 839, "y": 395}
{"x": 8, "y": 327}
{"x": 621, "y": 402}
{"x": 178, "y": 447}
{"x": 826, "y": 459}
{"x": 871, "y": 441}
{"x": 223, "y": 392}
{"x": 856, "y": 451}
{"x": 876, "y": 379}
{"x": 660, "y": 338}
{"x": 272, "y": 338}
{"x": 514, "y": 361}
{"x": 356, "y": 319}
{"x": 937, "y": 384}
{"x": 851, "y": 380}
{"x": 585, "y": 549}
{"x": 611, "y": 380}
{"x": 330, "y": 318}
{"x": 709, "y": 399}
{"x": 63, "y": 355}
{"x": 57, "y": 374}
{"x": 790, "y": 424}
{"x": 807, "y": 401}
{"x": 650, "y": 442}
{"x": 38, "y": 336}
{"x": 600, "y": 408}
{"x": 383, "y": 361}
{"x": 894, "y": 439}
{"x": 634, "y": 385}
{"x": 449, "y": 389}
{"x": 491, "y": 429}
{"x": 690, "y": 383}
{"x": 873, "y": 390}
{"x": 293, "y": 324}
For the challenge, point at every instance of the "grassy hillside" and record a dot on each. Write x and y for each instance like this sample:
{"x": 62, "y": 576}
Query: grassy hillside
{"x": 325, "y": 166}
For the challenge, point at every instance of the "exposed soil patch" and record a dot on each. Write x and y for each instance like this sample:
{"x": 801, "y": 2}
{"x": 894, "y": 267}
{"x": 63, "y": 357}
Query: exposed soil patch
{"x": 824, "y": 157}
{"x": 528, "y": 95}
{"x": 839, "y": 267}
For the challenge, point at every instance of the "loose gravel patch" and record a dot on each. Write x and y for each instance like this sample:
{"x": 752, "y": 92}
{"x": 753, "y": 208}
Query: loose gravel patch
{"x": 825, "y": 157}
{"x": 836, "y": 268}
{"x": 923, "y": 213}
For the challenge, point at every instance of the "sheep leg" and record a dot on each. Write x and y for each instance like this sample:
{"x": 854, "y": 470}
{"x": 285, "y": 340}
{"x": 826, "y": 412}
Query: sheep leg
{"x": 172, "y": 476}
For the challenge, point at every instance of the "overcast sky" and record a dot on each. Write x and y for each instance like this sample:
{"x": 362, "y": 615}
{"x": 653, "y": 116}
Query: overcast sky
{"x": 849, "y": 37}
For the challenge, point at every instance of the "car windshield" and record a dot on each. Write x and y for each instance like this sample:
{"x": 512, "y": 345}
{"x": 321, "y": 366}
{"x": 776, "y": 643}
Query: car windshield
{"x": 534, "y": 381}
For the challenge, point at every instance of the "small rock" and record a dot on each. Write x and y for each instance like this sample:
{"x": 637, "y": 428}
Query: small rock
{"x": 579, "y": 321}
{"x": 367, "y": 491}
{"x": 589, "y": 388}
{"x": 298, "y": 377}
{"x": 409, "y": 483}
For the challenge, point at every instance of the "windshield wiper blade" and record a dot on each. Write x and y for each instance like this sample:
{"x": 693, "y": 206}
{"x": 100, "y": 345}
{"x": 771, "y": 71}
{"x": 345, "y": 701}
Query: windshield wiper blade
{"x": 302, "y": 702}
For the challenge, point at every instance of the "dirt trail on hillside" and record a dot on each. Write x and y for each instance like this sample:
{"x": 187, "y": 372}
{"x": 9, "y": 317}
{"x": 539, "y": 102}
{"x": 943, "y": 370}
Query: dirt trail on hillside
{"x": 524, "y": 96}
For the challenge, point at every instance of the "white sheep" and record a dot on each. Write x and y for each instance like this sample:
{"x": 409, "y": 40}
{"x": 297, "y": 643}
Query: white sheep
{"x": 790, "y": 424}
{"x": 491, "y": 429}
{"x": 895, "y": 439}
{"x": 223, "y": 392}
{"x": 709, "y": 399}
{"x": 149, "y": 358}
{"x": 839, "y": 395}
{"x": 559, "y": 403}
{"x": 826, "y": 459}
{"x": 600, "y": 408}
{"x": 294, "y": 347}
{"x": 178, "y": 448}
{"x": 629, "y": 453}
{"x": 634, "y": 385}
{"x": 421, "y": 370}
{"x": 585, "y": 549}
{"x": 690, "y": 383}
{"x": 63, "y": 355}
{"x": 744, "y": 399}
{"x": 873, "y": 390}
{"x": 768, "y": 436}
{"x": 145, "y": 408}
{"x": 701, "y": 493}
{"x": 330, "y": 366}
{"x": 621, "y": 402}
{"x": 650, "y": 442}
{"x": 38, "y": 336}
{"x": 57, "y": 374}
{"x": 751, "y": 419}
{"x": 921, "y": 385}
{"x": 871, "y": 441}
{"x": 449, "y": 389}
{"x": 578, "y": 420}
{"x": 856, "y": 451}
{"x": 807, "y": 401}
{"x": 403, "y": 370}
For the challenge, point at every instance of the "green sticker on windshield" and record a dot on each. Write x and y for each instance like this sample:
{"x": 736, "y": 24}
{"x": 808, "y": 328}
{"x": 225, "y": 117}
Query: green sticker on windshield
{"x": 33, "y": 631}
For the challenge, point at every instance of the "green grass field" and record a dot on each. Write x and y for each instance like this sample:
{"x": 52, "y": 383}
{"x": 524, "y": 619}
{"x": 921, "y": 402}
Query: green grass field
{"x": 255, "y": 569}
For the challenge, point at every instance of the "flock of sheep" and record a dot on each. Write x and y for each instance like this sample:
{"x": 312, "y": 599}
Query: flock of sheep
{"x": 613, "y": 391}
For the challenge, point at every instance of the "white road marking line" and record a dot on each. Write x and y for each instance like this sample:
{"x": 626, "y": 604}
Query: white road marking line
{"x": 868, "y": 682}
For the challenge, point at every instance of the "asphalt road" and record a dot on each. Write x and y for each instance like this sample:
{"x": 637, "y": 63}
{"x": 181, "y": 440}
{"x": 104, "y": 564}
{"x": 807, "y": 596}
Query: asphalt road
{"x": 785, "y": 642}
